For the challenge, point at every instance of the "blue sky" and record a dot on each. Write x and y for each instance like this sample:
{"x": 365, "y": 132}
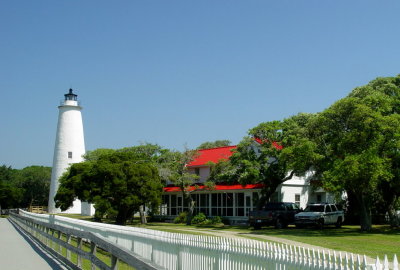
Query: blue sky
{"x": 181, "y": 72}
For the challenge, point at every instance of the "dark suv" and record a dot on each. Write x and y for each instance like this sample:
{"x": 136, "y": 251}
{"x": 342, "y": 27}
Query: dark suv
{"x": 278, "y": 214}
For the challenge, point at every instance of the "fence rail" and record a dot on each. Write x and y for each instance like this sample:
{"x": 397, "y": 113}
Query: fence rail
{"x": 49, "y": 236}
{"x": 183, "y": 251}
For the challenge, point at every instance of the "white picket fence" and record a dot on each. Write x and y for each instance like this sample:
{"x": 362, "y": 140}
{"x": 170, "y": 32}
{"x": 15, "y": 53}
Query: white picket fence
{"x": 183, "y": 251}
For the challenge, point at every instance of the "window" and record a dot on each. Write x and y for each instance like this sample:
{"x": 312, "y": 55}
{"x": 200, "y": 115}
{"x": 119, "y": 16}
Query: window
{"x": 69, "y": 154}
{"x": 248, "y": 204}
{"x": 197, "y": 171}
{"x": 239, "y": 203}
{"x": 297, "y": 199}
{"x": 319, "y": 197}
{"x": 164, "y": 205}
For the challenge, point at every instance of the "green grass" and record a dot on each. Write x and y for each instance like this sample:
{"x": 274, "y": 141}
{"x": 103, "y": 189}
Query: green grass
{"x": 380, "y": 241}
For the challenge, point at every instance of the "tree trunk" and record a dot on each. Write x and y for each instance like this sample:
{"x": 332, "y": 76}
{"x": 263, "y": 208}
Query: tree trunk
{"x": 394, "y": 219}
{"x": 365, "y": 213}
{"x": 122, "y": 216}
{"x": 143, "y": 219}
{"x": 267, "y": 192}
{"x": 190, "y": 205}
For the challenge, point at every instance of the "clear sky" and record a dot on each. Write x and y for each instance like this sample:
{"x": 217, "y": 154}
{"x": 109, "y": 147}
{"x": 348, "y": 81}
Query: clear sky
{"x": 181, "y": 72}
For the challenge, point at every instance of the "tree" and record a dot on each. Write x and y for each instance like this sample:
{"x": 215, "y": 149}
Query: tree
{"x": 358, "y": 138}
{"x": 118, "y": 183}
{"x": 35, "y": 183}
{"x": 217, "y": 143}
{"x": 174, "y": 165}
{"x": 176, "y": 168}
{"x": 10, "y": 193}
{"x": 272, "y": 154}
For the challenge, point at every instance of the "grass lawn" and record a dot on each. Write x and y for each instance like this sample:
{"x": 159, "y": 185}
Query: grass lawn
{"x": 380, "y": 241}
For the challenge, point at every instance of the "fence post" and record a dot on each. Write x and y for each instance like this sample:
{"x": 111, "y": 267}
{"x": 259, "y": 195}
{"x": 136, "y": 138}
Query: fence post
{"x": 93, "y": 251}
{"x": 79, "y": 263}
{"x": 59, "y": 245}
{"x": 47, "y": 238}
{"x": 52, "y": 243}
{"x": 114, "y": 263}
{"x": 68, "y": 251}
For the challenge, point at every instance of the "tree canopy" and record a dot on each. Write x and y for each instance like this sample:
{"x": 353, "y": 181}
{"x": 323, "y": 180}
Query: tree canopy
{"x": 35, "y": 183}
{"x": 214, "y": 144}
{"x": 271, "y": 154}
{"x": 359, "y": 139}
{"x": 117, "y": 182}
{"x": 25, "y": 187}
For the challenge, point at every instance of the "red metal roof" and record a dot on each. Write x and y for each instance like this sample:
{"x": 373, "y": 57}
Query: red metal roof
{"x": 212, "y": 155}
{"x": 275, "y": 144}
{"x": 217, "y": 187}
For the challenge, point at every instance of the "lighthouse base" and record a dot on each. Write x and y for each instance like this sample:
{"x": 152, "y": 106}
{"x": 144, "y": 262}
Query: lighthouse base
{"x": 87, "y": 209}
{"x": 74, "y": 209}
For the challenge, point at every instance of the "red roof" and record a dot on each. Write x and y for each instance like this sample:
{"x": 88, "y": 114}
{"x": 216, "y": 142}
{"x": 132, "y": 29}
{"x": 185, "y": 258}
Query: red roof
{"x": 275, "y": 144}
{"x": 213, "y": 155}
{"x": 217, "y": 187}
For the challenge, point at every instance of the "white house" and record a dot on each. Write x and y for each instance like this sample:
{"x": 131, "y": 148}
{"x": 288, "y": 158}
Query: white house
{"x": 234, "y": 201}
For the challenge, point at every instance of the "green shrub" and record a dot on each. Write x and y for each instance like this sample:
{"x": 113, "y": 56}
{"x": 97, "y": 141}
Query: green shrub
{"x": 181, "y": 218}
{"x": 200, "y": 218}
{"x": 216, "y": 220}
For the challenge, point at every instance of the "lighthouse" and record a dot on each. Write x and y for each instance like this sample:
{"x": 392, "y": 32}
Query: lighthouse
{"x": 69, "y": 147}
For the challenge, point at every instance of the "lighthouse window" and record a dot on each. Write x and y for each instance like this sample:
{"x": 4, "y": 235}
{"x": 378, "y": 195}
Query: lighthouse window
{"x": 69, "y": 154}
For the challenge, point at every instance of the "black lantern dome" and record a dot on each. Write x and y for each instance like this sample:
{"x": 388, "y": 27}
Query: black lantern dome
{"x": 71, "y": 96}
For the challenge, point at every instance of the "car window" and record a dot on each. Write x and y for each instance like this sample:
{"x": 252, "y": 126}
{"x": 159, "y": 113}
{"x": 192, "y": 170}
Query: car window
{"x": 328, "y": 208}
{"x": 274, "y": 206}
{"x": 334, "y": 209}
{"x": 314, "y": 208}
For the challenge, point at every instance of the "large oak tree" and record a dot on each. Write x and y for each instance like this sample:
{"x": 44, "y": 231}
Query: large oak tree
{"x": 117, "y": 182}
{"x": 359, "y": 139}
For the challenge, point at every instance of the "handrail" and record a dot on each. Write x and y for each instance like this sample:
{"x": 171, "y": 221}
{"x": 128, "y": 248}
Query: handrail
{"x": 40, "y": 231}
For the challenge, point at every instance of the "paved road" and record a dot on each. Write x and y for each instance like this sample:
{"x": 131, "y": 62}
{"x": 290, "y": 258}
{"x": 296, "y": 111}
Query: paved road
{"x": 19, "y": 252}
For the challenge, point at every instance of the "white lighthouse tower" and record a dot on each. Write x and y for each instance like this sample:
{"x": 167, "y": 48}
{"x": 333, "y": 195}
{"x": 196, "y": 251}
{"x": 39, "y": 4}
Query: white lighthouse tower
{"x": 69, "y": 147}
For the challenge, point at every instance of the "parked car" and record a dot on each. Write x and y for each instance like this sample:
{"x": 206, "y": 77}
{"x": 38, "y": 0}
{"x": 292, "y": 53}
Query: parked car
{"x": 278, "y": 214}
{"x": 319, "y": 215}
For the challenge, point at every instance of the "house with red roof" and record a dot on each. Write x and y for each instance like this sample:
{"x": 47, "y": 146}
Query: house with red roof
{"x": 234, "y": 201}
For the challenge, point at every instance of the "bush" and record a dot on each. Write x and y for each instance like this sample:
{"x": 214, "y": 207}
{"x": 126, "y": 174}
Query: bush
{"x": 216, "y": 220}
{"x": 200, "y": 218}
{"x": 181, "y": 218}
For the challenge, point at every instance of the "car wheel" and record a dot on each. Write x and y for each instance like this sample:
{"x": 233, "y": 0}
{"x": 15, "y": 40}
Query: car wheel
{"x": 339, "y": 223}
{"x": 320, "y": 224}
{"x": 279, "y": 224}
{"x": 257, "y": 226}
{"x": 299, "y": 226}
